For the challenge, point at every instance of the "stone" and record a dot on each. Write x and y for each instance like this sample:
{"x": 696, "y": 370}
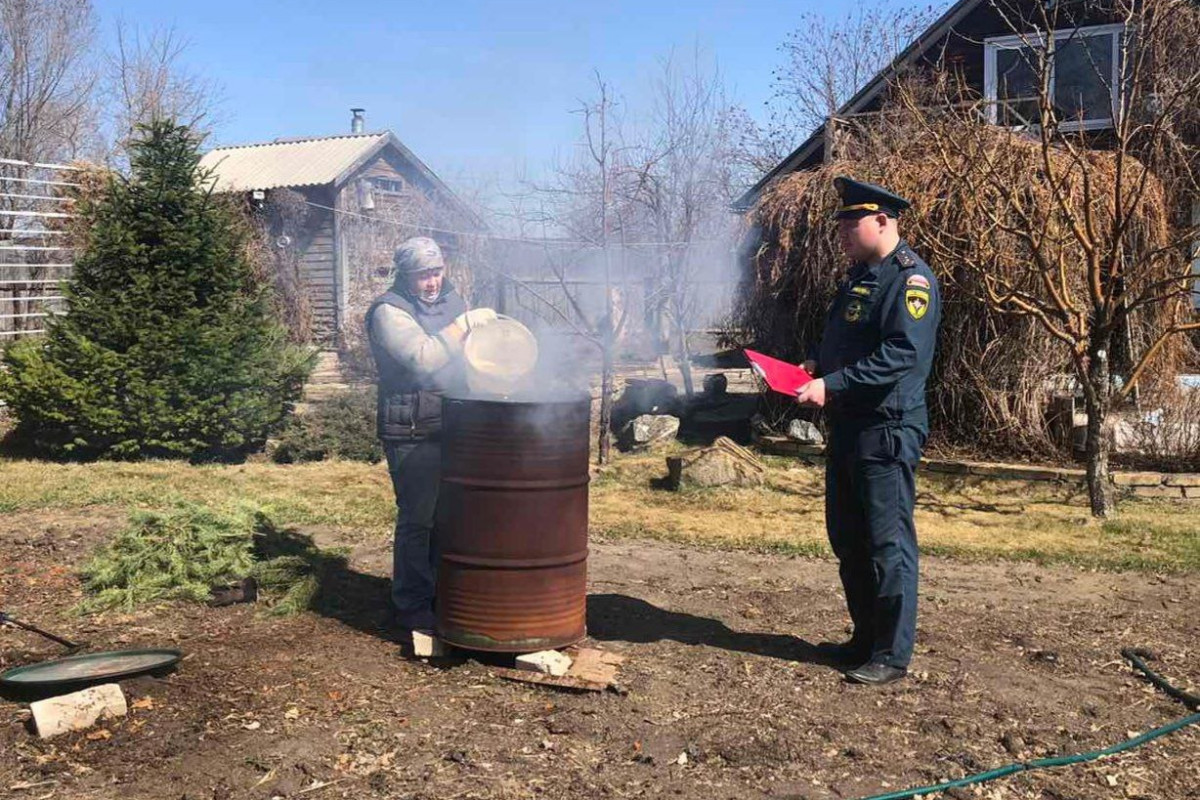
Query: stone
{"x": 1191, "y": 492}
{"x": 1137, "y": 478}
{"x": 79, "y": 710}
{"x": 803, "y": 431}
{"x": 426, "y": 645}
{"x": 1016, "y": 472}
{"x": 947, "y": 467}
{"x": 1184, "y": 479}
{"x": 650, "y": 429}
{"x": 1173, "y": 492}
{"x": 546, "y": 662}
{"x": 726, "y": 463}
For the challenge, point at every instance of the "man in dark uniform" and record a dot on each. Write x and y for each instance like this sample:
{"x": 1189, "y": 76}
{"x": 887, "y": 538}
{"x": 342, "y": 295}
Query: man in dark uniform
{"x": 416, "y": 331}
{"x": 873, "y": 359}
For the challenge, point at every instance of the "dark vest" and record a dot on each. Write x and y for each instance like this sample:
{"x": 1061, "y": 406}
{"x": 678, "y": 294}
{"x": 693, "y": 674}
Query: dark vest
{"x": 410, "y": 404}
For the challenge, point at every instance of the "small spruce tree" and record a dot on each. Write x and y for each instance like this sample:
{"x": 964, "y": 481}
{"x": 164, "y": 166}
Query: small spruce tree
{"x": 169, "y": 345}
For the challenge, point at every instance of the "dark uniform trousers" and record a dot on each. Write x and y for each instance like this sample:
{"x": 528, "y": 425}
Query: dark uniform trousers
{"x": 870, "y": 492}
{"x": 875, "y": 356}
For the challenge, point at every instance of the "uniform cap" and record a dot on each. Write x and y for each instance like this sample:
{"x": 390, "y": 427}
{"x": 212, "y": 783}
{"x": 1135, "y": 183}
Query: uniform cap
{"x": 860, "y": 199}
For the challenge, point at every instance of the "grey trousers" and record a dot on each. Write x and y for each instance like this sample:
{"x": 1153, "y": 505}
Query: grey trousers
{"x": 415, "y": 468}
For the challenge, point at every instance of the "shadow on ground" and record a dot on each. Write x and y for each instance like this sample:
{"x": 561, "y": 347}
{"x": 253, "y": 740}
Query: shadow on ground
{"x": 618, "y": 617}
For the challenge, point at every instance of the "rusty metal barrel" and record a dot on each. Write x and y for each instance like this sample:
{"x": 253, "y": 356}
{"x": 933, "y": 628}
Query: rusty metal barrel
{"x": 512, "y": 523}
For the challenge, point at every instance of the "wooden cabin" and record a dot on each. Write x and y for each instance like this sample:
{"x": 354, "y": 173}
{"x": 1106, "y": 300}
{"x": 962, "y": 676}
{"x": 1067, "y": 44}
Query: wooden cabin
{"x": 363, "y": 194}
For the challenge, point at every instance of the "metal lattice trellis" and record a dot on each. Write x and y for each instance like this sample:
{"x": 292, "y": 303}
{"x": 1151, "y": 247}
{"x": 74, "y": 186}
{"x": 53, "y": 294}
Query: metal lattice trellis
{"x": 36, "y": 255}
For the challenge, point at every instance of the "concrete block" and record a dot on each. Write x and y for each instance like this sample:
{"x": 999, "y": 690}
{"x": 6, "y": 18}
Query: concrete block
{"x": 547, "y": 662}
{"x": 78, "y": 710}
{"x": 1137, "y": 479}
{"x": 426, "y": 645}
{"x": 1191, "y": 492}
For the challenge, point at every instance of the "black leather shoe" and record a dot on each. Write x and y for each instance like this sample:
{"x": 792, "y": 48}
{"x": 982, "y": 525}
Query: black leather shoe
{"x": 876, "y": 674}
{"x": 845, "y": 654}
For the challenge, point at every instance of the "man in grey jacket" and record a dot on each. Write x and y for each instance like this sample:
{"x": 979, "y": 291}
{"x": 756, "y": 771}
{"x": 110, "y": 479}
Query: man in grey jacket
{"x": 416, "y": 331}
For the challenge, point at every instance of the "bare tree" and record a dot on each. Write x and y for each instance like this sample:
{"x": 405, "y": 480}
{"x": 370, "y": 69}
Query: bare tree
{"x": 584, "y": 200}
{"x": 46, "y": 81}
{"x": 1100, "y": 221}
{"x": 825, "y": 60}
{"x": 146, "y": 80}
{"x": 684, "y": 183}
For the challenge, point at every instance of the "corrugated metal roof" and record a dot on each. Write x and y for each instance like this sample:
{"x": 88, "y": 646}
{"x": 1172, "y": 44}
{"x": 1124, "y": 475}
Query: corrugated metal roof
{"x": 303, "y": 162}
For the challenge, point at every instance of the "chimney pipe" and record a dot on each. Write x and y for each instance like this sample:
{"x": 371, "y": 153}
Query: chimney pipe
{"x": 357, "y": 121}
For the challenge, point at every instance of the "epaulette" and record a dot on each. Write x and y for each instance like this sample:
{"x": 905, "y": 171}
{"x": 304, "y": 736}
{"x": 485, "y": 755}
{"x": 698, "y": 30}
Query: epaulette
{"x": 906, "y": 257}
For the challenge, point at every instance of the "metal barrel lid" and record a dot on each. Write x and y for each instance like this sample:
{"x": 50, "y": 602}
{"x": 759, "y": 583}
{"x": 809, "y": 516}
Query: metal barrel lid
{"x": 90, "y": 668}
{"x": 499, "y": 355}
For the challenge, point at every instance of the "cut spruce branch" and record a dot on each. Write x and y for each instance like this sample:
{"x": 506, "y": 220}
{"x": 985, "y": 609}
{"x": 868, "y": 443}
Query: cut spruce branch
{"x": 183, "y": 553}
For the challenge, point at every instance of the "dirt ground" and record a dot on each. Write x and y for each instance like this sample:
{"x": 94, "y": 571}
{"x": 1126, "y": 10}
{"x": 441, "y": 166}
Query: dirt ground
{"x": 723, "y": 696}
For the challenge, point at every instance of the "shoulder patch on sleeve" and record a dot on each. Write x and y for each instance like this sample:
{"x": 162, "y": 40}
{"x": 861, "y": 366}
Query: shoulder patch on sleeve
{"x": 917, "y": 302}
{"x": 918, "y": 280}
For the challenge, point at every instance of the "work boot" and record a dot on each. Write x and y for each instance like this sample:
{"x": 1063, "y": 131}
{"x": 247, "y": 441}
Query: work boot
{"x": 876, "y": 673}
{"x": 845, "y": 654}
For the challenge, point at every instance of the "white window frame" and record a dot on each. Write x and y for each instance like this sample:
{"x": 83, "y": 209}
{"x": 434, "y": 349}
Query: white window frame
{"x": 995, "y": 44}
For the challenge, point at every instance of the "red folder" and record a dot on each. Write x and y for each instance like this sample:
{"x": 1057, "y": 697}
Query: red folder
{"x": 781, "y": 376}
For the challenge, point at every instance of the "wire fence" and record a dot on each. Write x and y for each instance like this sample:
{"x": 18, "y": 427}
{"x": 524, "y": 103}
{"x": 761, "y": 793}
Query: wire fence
{"x": 35, "y": 251}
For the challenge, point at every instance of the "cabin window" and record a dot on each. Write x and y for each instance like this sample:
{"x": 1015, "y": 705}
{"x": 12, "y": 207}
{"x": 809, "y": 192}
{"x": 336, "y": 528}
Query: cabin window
{"x": 1083, "y": 70}
{"x": 388, "y": 185}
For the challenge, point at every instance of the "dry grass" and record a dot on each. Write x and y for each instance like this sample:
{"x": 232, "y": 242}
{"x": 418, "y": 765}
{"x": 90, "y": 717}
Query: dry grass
{"x": 962, "y": 518}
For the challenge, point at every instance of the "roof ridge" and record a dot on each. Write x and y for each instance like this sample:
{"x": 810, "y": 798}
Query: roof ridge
{"x": 301, "y": 140}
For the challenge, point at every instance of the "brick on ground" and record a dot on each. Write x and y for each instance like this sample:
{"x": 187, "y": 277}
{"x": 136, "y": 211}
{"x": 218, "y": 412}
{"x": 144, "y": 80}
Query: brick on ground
{"x": 78, "y": 710}
{"x": 426, "y": 645}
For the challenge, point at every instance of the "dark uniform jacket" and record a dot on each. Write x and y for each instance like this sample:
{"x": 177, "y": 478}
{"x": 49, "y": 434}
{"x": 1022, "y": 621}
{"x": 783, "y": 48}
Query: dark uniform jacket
{"x": 410, "y": 401}
{"x": 877, "y": 347}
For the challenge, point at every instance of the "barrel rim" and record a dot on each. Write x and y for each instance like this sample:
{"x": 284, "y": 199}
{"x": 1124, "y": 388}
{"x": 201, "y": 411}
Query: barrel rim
{"x": 521, "y": 400}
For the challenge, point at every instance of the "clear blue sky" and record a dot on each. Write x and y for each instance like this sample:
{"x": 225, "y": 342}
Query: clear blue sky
{"x": 476, "y": 89}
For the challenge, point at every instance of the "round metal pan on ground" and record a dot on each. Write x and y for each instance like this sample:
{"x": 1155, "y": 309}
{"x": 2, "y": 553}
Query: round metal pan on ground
{"x": 90, "y": 668}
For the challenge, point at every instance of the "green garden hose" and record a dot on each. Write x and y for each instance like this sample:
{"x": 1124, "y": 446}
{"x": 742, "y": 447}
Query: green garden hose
{"x": 1135, "y": 657}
